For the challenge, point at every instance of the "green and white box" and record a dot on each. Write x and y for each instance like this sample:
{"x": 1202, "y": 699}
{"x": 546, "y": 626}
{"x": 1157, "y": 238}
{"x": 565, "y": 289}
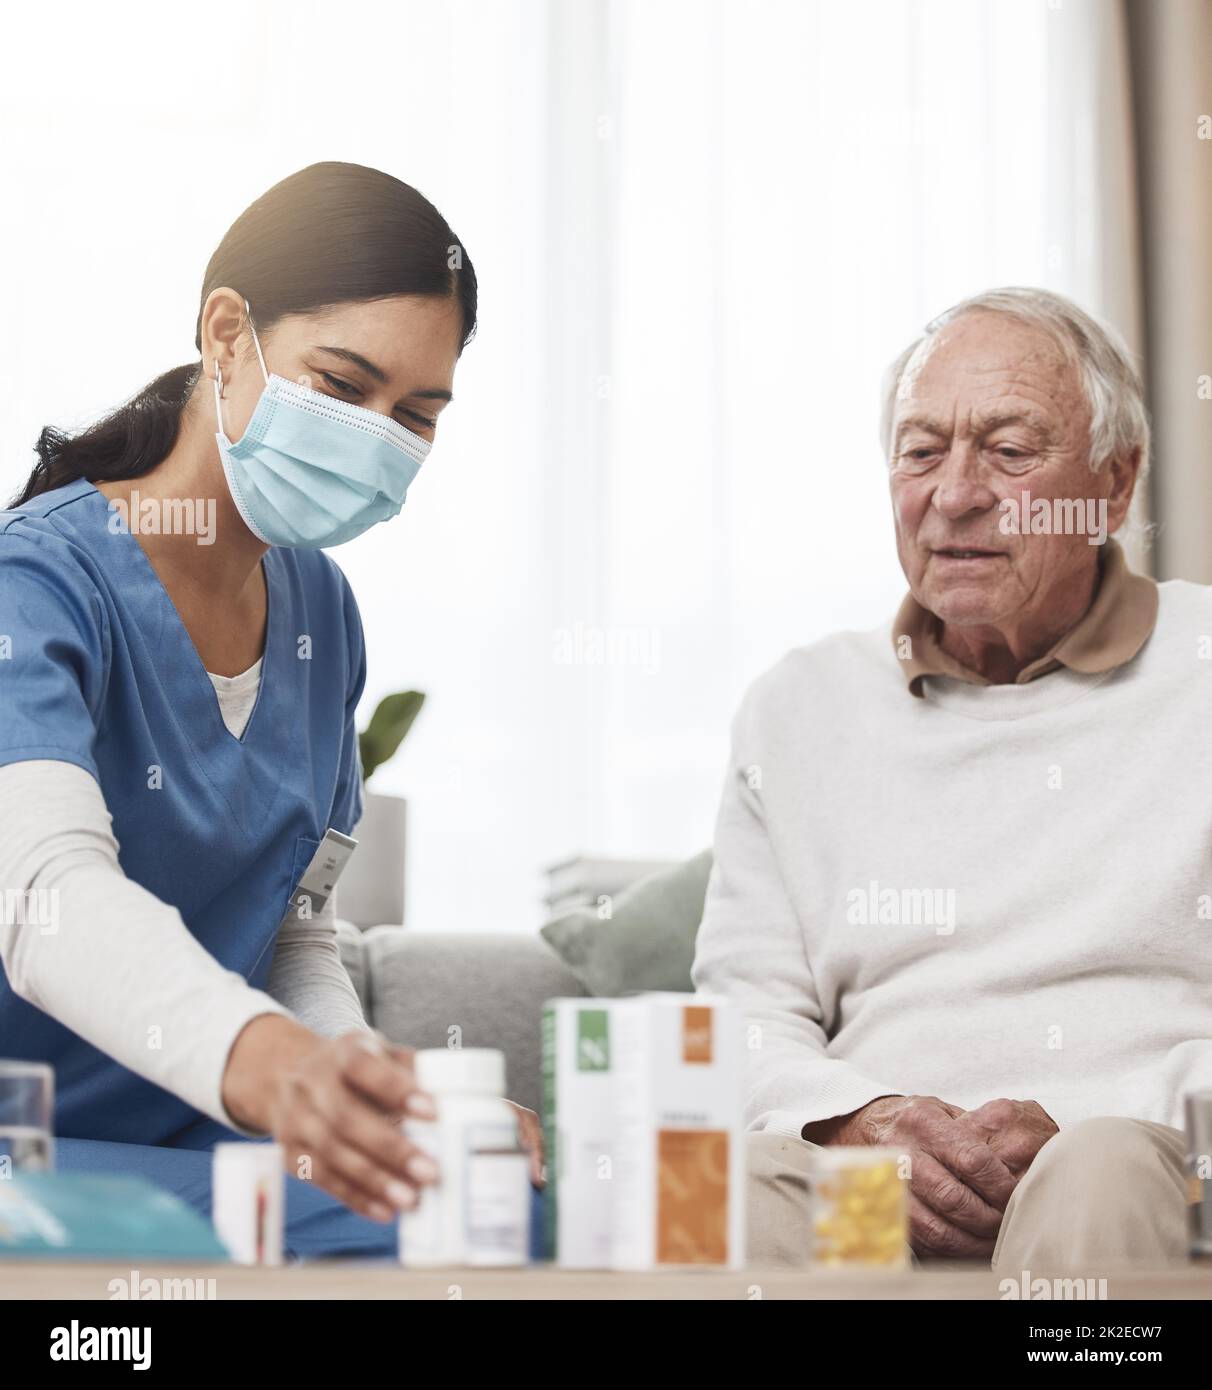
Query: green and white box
{"x": 579, "y": 1123}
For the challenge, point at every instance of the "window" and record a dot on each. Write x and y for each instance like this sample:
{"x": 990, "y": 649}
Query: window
{"x": 701, "y": 231}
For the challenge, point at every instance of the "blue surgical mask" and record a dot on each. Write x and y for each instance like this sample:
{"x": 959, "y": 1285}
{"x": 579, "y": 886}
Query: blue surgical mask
{"x": 313, "y": 471}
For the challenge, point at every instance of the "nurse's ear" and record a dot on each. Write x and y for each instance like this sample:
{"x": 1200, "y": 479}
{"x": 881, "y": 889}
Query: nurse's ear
{"x": 229, "y": 358}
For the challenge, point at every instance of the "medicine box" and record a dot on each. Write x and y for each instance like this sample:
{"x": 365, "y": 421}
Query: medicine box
{"x": 578, "y": 1120}
{"x": 678, "y": 1158}
{"x": 643, "y": 1133}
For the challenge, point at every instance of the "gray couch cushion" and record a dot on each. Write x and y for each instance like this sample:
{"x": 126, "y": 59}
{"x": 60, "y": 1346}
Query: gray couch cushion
{"x": 647, "y": 943}
{"x": 430, "y": 989}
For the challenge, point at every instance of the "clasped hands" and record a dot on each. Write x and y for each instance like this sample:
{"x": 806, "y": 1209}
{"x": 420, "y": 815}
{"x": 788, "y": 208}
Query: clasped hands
{"x": 963, "y": 1164}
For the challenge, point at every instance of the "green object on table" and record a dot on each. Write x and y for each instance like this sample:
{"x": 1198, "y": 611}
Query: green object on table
{"x": 78, "y": 1216}
{"x": 647, "y": 942}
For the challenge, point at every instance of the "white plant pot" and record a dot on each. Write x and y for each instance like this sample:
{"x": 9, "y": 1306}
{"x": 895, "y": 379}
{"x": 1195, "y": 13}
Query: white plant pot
{"x": 371, "y": 890}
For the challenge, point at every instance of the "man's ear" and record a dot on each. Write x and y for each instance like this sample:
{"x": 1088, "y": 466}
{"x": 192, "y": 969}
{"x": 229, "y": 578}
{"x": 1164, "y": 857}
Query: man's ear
{"x": 1123, "y": 471}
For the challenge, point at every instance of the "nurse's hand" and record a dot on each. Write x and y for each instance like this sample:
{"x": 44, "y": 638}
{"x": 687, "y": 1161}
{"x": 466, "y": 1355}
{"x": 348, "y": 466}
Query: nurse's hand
{"x": 335, "y": 1106}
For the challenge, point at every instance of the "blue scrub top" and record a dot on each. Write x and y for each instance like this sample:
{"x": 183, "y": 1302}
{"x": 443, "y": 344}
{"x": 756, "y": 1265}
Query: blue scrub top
{"x": 101, "y": 672}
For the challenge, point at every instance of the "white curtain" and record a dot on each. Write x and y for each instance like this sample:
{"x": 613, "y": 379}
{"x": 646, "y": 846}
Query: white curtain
{"x": 701, "y": 230}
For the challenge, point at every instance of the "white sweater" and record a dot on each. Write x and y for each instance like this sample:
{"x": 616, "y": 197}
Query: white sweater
{"x": 1065, "y": 828}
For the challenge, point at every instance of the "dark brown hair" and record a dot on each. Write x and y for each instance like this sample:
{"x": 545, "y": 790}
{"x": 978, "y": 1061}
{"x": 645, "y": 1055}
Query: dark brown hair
{"x": 331, "y": 233}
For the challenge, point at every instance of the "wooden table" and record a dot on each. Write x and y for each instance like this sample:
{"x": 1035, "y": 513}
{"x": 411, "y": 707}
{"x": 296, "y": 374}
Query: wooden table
{"x": 382, "y": 1279}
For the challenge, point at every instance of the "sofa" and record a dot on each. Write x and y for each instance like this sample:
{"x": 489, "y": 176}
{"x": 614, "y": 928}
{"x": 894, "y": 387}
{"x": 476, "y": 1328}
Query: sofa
{"x": 429, "y": 989}
{"x": 416, "y": 987}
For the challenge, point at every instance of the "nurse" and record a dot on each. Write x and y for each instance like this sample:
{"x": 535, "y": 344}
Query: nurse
{"x": 180, "y": 663}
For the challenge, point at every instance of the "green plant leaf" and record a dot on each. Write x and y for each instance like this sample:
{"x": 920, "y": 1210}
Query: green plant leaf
{"x": 388, "y": 725}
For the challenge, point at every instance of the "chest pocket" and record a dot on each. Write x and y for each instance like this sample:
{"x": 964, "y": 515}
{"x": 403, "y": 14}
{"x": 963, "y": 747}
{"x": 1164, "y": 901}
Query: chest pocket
{"x": 305, "y": 848}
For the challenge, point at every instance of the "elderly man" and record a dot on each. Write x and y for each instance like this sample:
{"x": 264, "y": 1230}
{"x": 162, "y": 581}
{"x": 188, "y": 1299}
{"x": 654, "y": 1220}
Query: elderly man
{"x": 963, "y": 867}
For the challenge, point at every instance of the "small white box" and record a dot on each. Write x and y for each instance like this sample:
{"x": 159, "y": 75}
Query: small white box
{"x": 248, "y": 1200}
{"x": 579, "y": 1122}
{"x": 679, "y": 1167}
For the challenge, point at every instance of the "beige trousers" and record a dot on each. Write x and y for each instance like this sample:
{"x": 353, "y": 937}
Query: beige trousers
{"x": 1101, "y": 1193}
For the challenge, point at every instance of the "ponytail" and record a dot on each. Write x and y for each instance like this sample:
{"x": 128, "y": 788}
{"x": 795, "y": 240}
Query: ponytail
{"x": 127, "y": 443}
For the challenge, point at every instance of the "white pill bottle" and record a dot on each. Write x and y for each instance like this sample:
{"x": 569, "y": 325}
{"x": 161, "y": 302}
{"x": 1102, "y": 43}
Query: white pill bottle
{"x": 478, "y": 1212}
{"x": 248, "y": 1201}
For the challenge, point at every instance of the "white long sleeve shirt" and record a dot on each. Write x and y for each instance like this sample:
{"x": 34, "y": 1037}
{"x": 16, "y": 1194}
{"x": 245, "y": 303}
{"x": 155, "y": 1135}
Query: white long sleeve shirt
{"x": 119, "y": 960}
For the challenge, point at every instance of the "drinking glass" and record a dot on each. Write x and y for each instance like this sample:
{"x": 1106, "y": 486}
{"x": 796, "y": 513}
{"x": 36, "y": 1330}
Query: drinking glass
{"x": 1199, "y": 1171}
{"x": 27, "y": 1102}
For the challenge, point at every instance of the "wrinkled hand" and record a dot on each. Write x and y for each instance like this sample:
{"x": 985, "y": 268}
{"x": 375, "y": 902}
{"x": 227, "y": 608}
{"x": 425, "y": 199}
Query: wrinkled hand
{"x": 1015, "y": 1130}
{"x": 964, "y": 1165}
{"x": 530, "y": 1133}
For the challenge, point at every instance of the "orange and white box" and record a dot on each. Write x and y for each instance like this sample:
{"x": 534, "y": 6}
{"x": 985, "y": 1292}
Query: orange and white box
{"x": 679, "y": 1164}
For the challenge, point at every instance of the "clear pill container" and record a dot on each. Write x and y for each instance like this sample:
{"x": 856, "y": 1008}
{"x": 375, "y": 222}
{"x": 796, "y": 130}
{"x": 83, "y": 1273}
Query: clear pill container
{"x": 859, "y": 1207}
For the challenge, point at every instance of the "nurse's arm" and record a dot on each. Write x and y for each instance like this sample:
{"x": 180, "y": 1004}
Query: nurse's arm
{"x": 308, "y": 977}
{"x": 120, "y": 968}
{"x": 102, "y": 955}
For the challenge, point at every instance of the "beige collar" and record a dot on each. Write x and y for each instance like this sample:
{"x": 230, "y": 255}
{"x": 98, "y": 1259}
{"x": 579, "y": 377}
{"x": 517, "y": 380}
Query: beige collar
{"x": 1114, "y": 628}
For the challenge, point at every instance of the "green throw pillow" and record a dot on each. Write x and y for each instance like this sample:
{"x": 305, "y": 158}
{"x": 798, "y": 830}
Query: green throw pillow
{"x": 646, "y": 943}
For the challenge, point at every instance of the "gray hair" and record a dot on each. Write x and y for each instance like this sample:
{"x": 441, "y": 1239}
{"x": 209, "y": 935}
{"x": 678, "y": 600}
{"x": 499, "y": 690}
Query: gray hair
{"x": 1119, "y": 421}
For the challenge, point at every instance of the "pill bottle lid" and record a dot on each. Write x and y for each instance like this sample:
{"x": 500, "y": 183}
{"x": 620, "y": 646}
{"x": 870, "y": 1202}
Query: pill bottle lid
{"x": 476, "y": 1069}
